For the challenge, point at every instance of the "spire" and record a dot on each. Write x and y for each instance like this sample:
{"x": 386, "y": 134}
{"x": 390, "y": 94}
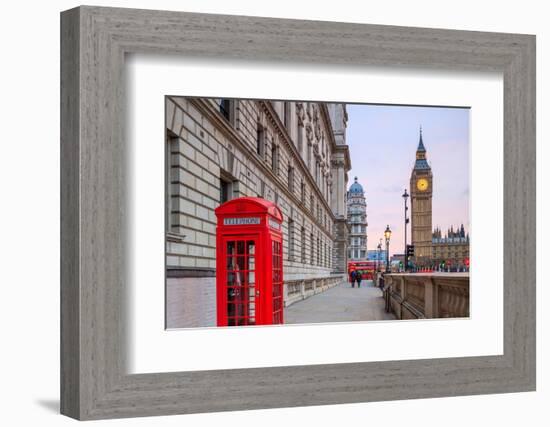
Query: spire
{"x": 421, "y": 163}
{"x": 420, "y": 142}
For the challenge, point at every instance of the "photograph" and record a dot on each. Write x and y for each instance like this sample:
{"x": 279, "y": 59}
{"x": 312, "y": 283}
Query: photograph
{"x": 283, "y": 212}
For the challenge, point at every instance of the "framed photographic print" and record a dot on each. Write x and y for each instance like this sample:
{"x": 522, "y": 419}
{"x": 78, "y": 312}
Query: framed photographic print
{"x": 262, "y": 213}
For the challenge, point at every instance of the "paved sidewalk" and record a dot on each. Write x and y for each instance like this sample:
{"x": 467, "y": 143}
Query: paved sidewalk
{"x": 340, "y": 304}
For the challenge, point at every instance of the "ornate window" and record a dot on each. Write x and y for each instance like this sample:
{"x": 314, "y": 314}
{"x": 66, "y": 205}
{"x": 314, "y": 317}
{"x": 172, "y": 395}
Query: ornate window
{"x": 275, "y": 158}
{"x": 260, "y": 141}
{"x": 291, "y": 240}
{"x": 303, "y": 243}
{"x": 227, "y": 108}
{"x": 291, "y": 178}
{"x": 311, "y": 249}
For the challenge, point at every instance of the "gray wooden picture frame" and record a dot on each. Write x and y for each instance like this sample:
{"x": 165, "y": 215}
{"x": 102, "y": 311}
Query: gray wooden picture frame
{"x": 94, "y": 41}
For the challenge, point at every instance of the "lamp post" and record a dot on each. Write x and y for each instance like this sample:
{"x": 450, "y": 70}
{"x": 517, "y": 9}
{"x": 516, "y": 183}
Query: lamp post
{"x": 387, "y": 235}
{"x": 379, "y": 255}
{"x": 405, "y": 197}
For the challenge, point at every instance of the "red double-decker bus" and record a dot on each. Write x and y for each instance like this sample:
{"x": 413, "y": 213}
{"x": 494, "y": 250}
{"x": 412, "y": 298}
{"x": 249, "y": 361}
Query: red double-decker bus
{"x": 367, "y": 268}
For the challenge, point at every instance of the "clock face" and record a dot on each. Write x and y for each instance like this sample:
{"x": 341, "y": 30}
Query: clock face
{"x": 422, "y": 184}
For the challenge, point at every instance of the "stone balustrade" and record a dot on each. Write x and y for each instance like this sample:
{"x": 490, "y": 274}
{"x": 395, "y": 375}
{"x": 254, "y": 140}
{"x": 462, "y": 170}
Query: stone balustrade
{"x": 427, "y": 295}
{"x": 297, "y": 290}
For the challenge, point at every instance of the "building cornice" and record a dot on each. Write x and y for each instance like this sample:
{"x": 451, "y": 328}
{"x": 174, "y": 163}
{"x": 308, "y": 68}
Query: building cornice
{"x": 335, "y": 147}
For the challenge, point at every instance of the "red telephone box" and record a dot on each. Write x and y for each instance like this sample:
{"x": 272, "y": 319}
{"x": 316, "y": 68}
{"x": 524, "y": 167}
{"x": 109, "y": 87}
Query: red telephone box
{"x": 249, "y": 263}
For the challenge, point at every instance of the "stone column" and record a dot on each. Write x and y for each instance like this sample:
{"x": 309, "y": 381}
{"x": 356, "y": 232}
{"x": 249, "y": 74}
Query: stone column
{"x": 338, "y": 202}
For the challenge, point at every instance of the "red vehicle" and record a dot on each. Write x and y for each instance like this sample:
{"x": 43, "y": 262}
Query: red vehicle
{"x": 249, "y": 263}
{"x": 367, "y": 268}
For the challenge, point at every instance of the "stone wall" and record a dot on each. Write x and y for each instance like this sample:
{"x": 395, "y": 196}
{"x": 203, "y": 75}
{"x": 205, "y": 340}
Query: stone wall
{"x": 430, "y": 295}
{"x": 190, "y": 302}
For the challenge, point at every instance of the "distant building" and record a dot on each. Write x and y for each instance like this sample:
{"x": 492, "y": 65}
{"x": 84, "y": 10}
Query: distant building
{"x": 357, "y": 222}
{"x": 453, "y": 248}
{"x": 375, "y": 255}
{"x": 397, "y": 259}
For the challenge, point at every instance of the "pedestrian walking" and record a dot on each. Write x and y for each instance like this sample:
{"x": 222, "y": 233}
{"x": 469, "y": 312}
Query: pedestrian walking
{"x": 358, "y": 278}
{"x": 353, "y": 277}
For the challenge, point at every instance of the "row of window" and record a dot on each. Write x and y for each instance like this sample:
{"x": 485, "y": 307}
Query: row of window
{"x": 358, "y": 241}
{"x": 321, "y": 250}
{"x": 357, "y": 254}
{"x": 358, "y": 229}
{"x": 315, "y": 208}
{"x": 226, "y": 108}
{"x": 357, "y": 219}
{"x": 450, "y": 254}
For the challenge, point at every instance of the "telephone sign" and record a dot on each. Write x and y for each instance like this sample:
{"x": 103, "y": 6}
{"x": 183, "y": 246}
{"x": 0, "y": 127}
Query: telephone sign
{"x": 241, "y": 221}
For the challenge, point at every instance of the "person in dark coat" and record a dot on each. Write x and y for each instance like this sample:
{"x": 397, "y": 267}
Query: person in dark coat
{"x": 353, "y": 277}
{"x": 358, "y": 278}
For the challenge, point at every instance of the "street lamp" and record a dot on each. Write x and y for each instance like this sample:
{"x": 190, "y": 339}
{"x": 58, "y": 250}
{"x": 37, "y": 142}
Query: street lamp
{"x": 379, "y": 255}
{"x": 405, "y": 197}
{"x": 387, "y": 235}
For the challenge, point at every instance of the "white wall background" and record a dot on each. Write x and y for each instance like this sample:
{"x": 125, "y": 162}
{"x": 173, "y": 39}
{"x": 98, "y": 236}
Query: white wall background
{"x": 29, "y": 213}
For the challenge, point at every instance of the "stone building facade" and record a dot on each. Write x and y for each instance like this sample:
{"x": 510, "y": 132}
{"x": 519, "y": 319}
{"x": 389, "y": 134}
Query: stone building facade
{"x": 357, "y": 222}
{"x": 291, "y": 153}
{"x": 453, "y": 248}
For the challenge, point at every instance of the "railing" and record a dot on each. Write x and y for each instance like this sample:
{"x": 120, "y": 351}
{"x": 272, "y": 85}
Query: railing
{"x": 297, "y": 290}
{"x": 427, "y": 295}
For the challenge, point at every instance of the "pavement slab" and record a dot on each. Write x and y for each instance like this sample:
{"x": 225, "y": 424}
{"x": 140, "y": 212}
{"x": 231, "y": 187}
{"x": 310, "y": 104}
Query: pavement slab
{"x": 341, "y": 303}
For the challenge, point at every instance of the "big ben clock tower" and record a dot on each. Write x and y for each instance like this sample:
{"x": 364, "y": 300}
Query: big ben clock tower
{"x": 421, "y": 206}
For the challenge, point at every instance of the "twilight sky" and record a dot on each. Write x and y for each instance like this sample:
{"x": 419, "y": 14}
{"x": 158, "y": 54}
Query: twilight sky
{"x": 383, "y": 141}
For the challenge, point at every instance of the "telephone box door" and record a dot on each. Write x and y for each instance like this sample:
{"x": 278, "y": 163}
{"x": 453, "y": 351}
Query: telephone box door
{"x": 240, "y": 300}
{"x": 277, "y": 274}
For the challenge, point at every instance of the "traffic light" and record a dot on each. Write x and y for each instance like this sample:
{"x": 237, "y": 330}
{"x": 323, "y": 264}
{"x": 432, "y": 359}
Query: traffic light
{"x": 409, "y": 253}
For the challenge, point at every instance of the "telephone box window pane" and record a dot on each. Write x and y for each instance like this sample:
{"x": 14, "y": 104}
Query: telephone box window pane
{"x": 230, "y": 248}
{"x": 230, "y": 306}
{"x": 240, "y": 247}
{"x": 235, "y": 279}
{"x": 251, "y": 278}
{"x": 240, "y": 263}
{"x": 231, "y": 263}
{"x": 251, "y": 247}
